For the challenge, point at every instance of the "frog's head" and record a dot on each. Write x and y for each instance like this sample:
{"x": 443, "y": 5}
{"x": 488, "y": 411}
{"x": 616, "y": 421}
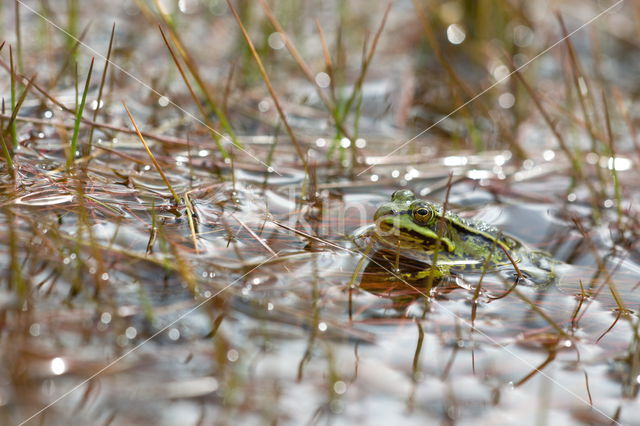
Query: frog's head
{"x": 406, "y": 222}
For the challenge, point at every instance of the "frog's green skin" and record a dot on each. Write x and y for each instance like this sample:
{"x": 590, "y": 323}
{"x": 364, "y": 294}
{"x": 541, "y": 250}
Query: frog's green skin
{"x": 411, "y": 226}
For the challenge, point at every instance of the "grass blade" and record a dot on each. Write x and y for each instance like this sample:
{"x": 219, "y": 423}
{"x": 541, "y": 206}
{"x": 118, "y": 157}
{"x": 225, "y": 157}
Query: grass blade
{"x": 267, "y": 81}
{"x": 12, "y": 71}
{"x": 205, "y": 117}
{"x": 15, "y": 111}
{"x": 153, "y": 159}
{"x": 100, "y": 89}
{"x": 80, "y": 109}
{"x": 191, "y": 65}
{"x": 7, "y": 153}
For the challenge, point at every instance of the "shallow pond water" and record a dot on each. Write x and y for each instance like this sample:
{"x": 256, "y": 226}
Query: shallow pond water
{"x": 279, "y": 317}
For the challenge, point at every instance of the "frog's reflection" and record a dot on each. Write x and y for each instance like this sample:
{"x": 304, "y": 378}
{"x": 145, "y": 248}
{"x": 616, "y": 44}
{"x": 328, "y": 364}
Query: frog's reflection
{"x": 389, "y": 275}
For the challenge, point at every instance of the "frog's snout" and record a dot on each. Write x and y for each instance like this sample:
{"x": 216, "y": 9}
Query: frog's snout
{"x": 383, "y": 211}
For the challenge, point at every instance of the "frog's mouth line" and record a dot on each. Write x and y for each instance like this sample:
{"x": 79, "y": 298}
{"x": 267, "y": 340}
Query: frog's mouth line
{"x": 407, "y": 238}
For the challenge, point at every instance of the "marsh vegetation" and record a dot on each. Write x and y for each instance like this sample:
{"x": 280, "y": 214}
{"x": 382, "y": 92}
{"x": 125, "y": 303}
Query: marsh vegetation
{"x": 185, "y": 186}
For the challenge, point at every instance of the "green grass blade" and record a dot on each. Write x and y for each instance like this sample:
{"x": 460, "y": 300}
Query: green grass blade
{"x": 79, "y": 110}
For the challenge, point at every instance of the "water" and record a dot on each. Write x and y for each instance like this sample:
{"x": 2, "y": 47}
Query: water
{"x": 272, "y": 324}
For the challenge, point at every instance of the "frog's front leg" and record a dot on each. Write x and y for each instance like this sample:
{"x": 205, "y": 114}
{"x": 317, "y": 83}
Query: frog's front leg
{"x": 540, "y": 268}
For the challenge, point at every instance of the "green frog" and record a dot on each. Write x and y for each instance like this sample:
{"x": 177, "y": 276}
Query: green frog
{"x": 417, "y": 229}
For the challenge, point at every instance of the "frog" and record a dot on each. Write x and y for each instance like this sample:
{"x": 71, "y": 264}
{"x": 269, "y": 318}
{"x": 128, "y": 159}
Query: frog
{"x": 424, "y": 230}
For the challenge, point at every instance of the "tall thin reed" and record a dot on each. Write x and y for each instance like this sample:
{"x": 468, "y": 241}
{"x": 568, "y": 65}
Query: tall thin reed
{"x": 101, "y": 88}
{"x": 153, "y": 159}
{"x": 79, "y": 111}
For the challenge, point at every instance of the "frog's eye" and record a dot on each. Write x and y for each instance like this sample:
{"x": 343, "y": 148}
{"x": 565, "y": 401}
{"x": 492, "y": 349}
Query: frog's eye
{"x": 422, "y": 214}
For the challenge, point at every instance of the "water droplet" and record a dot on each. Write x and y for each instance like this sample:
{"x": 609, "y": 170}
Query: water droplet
{"x": 339, "y": 387}
{"x": 506, "y": 100}
{"x": 58, "y": 366}
{"x": 34, "y": 329}
{"x": 619, "y": 163}
{"x": 264, "y": 105}
{"x": 163, "y": 101}
{"x": 275, "y": 41}
{"x": 322, "y": 326}
{"x": 455, "y": 34}
{"x": 455, "y": 160}
{"x": 323, "y": 80}
{"x": 233, "y": 355}
{"x": 501, "y": 73}
{"x": 174, "y": 334}
{"x": 95, "y": 106}
{"x": 131, "y": 332}
{"x": 105, "y": 318}
{"x": 479, "y": 174}
{"x": 523, "y": 36}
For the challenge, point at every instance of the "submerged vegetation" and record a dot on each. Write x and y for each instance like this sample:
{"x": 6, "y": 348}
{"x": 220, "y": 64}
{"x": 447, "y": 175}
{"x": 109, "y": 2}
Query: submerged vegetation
{"x": 189, "y": 188}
